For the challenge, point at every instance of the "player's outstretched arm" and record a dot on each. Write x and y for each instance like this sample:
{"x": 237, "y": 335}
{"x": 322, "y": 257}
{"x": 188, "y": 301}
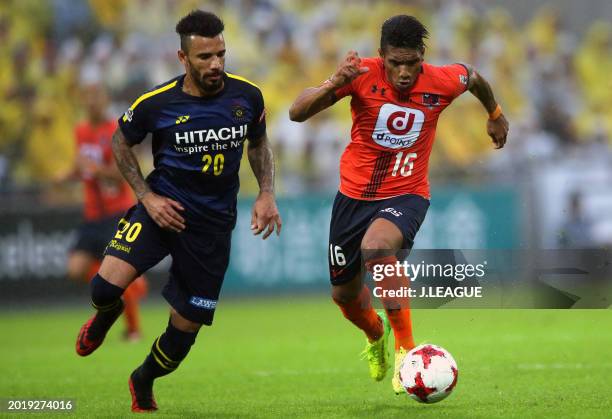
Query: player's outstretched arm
{"x": 314, "y": 99}
{"x": 108, "y": 172}
{"x": 163, "y": 210}
{"x": 265, "y": 214}
{"x": 497, "y": 125}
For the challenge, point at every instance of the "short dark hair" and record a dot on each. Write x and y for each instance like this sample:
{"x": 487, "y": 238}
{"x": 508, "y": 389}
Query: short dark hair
{"x": 198, "y": 22}
{"x": 403, "y": 31}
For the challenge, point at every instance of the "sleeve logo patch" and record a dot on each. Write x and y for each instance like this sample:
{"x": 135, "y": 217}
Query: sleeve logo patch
{"x": 128, "y": 115}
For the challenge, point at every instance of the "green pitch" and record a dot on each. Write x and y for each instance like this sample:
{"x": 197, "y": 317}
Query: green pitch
{"x": 297, "y": 357}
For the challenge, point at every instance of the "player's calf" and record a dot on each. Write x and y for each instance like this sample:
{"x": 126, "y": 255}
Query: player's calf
{"x": 359, "y": 311}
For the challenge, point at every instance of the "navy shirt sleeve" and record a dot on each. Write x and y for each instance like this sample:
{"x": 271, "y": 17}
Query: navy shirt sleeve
{"x": 134, "y": 123}
{"x": 257, "y": 128}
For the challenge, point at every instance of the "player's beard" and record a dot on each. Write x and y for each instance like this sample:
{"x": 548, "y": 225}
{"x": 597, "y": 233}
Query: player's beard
{"x": 205, "y": 84}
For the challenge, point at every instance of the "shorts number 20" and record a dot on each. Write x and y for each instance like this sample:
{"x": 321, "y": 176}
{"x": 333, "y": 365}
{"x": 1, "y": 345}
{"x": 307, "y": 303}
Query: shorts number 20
{"x": 131, "y": 231}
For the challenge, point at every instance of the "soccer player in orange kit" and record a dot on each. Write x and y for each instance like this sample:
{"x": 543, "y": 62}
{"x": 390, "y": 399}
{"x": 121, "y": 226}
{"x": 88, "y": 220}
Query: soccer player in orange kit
{"x": 106, "y": 198}
{"x": 383, "y": 197}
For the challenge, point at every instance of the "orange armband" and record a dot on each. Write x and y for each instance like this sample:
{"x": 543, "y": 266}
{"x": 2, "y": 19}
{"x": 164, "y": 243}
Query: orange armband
{"x": 496, "y": 113}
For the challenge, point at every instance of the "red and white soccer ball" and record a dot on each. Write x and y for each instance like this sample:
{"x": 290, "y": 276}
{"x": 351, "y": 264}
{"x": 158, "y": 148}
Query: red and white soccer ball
{"x": 428, "y": 373}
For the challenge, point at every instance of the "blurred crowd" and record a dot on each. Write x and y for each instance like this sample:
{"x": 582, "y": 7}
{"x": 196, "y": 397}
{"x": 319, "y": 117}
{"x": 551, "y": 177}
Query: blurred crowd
{"x": 553, "y": 84}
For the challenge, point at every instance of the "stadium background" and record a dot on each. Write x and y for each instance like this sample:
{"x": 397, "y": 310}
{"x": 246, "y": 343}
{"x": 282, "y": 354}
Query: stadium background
{"x": 550, "y": 187}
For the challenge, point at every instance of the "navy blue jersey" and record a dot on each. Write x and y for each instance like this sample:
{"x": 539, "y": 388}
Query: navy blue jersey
{"x": 198, "y": 144}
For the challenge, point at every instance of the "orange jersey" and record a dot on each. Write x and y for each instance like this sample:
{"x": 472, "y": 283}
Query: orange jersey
{"x": 393, "y": 133}
{"x": 103, "y": 198}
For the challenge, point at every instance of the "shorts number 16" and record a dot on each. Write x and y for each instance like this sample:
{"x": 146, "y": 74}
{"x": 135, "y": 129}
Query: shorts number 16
{"x": 336, "y": 257}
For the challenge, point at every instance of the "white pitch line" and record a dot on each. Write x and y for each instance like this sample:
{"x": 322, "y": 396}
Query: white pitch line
{"x": 562, "y": 366}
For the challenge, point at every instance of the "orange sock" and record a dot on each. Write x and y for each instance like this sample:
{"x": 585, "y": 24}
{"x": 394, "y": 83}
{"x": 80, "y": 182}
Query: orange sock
{"x": 361, "y": 313}
{"x": 133, "y": 293}
{"x": 398, "y": 309}
{"x": 93, "y": 269}
{"x": 402, "y": 328}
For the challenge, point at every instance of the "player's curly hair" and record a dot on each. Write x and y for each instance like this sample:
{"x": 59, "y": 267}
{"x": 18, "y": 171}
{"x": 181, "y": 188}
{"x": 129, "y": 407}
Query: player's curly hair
{"x": 403, "y": 31}
{"x": 198, "y": 22}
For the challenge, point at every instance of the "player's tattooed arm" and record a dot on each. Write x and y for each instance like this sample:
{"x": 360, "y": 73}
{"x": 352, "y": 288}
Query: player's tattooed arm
{"x": 265, "y": 215}
{"x": 315, "y": 99}
{"x": 497, "y": 125}
{"x": 261, "y": 159}
{"x": 128, "y": 165}
{"x": 163, "y": 210}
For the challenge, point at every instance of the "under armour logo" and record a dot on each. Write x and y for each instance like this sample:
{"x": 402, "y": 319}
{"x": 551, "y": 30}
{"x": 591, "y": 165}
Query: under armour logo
{"x": 375, "y": 89}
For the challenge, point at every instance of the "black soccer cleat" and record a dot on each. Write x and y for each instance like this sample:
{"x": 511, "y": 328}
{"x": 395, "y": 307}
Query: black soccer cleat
{"x": 142, "y": 394}
{"x": 85, "y": 345}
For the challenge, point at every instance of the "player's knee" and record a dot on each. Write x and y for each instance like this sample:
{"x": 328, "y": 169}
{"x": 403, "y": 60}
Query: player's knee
{"x": 343, "y": 294}
{"x": 183, "y": 324}
{"x": 75, "y": 273}
{"x": 103, "y": 292}
{"x": 374, "y": 243}
{"x": 77, "y": 268}
{"x": 117, "y": 271}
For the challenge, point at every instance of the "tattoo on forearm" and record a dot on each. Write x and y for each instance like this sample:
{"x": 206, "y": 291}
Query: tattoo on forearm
{"x": 128, "y": 165}
{"x": 261, "y": 159}
{"x": 480, "y": 88}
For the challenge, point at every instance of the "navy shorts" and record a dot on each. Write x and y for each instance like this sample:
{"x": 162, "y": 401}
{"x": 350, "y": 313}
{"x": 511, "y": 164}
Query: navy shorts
{"x": 351, "y": 218}
{"x": 199, "y": 261}
{"x": 92, "y": 236}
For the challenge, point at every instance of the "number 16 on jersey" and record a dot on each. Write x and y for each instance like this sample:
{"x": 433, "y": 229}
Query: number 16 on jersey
{"x": 405, "y": 167}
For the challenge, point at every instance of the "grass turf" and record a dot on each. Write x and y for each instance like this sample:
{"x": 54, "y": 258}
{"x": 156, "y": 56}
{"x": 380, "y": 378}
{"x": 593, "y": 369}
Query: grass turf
{"x": 298, "y": 357}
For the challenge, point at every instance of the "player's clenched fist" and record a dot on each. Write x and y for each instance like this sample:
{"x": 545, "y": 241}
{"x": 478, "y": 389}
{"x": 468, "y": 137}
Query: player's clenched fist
{"x": 498, "y": 130}
{"x": 164, "y": 211}
{"x": 348, "y": 70}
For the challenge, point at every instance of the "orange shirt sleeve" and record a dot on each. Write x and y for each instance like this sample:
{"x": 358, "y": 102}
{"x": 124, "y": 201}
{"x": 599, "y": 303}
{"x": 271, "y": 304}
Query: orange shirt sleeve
{"x": 456, "y": 79}
{"x": 110, "y": 128}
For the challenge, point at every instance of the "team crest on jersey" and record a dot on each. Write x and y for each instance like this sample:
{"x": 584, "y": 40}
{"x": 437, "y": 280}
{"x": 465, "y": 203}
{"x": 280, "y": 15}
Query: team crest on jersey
{"x": 239, "y": 113}
{"x": 397, "y": 126}
{"x": 430, "y": 99}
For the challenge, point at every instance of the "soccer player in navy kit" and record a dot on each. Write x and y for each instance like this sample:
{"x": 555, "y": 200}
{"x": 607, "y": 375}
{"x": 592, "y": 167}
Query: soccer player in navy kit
{"x": 187, "y": 205}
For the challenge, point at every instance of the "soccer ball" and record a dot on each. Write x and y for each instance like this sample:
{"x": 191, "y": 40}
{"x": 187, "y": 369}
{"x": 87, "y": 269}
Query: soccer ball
{"x": 428, "y": 373}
